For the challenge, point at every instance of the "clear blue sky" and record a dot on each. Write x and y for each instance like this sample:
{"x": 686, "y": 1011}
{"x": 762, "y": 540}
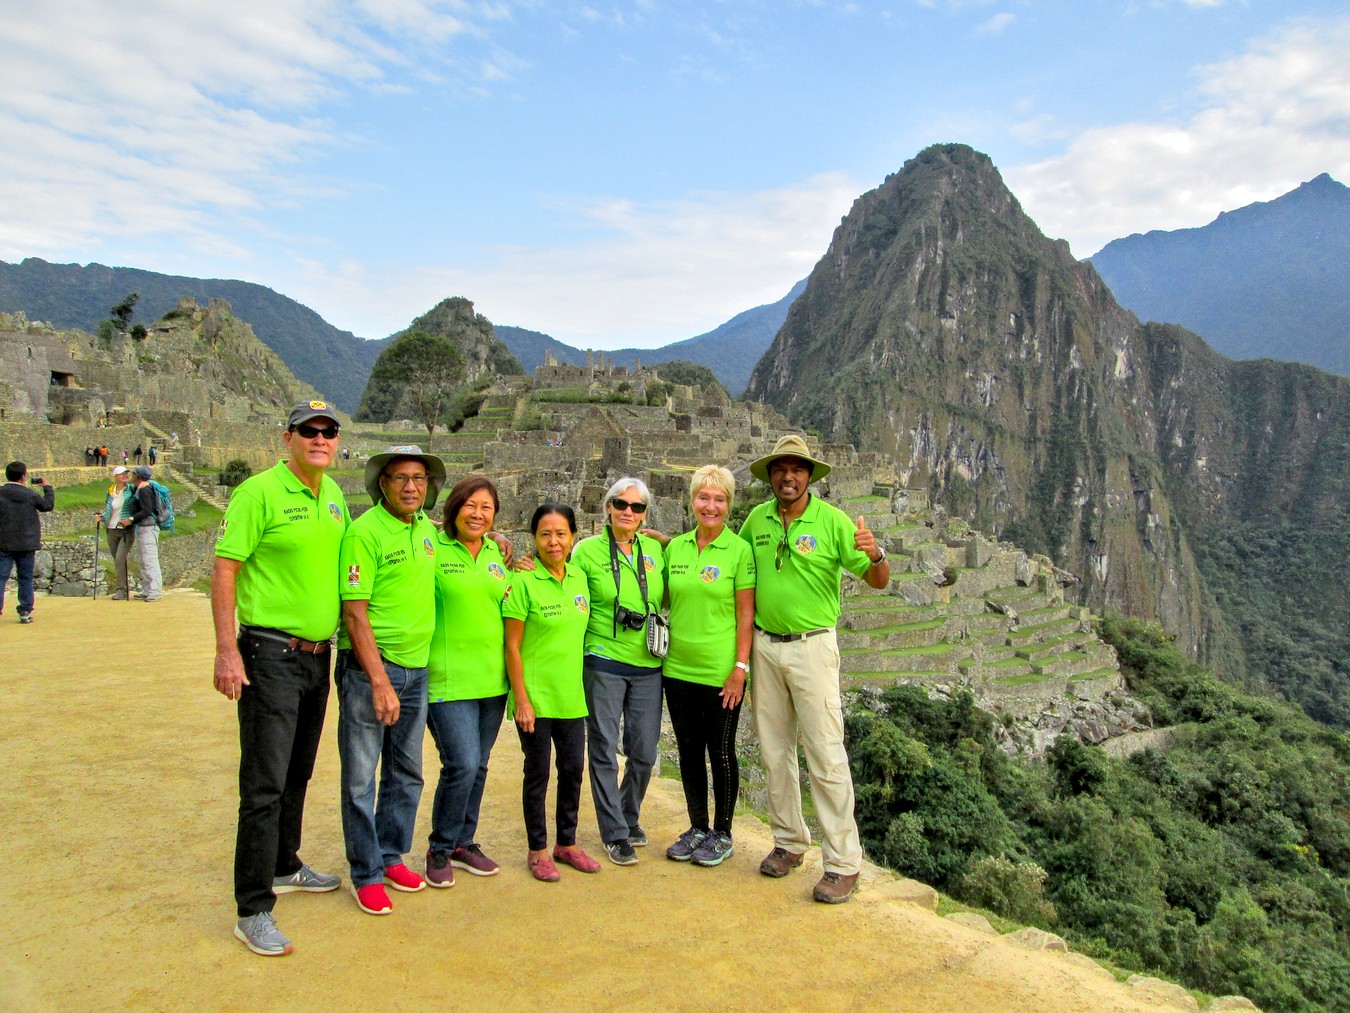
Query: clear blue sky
{"x": 625, "y": 173}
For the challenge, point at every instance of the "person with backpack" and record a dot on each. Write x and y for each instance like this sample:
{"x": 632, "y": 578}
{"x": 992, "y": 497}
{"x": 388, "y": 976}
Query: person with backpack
{"x": 145, "y": 513}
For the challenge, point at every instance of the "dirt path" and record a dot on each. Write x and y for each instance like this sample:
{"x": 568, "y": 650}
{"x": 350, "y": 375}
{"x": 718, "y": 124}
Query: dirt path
{"x": 116, "y": 892}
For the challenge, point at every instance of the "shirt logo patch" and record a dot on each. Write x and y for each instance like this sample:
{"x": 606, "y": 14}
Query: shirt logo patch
{"x": 709, "y": 574}
{"x": 648, "y": 563}
{"x": 353, "y": 576}
{"x": 582, "y": 604}
{"x": 428, "y": 548}
{"x": 806, "y": 544}
{"x": 496, "y": 570}
{"x": 336, "y": 511}
{"x": 221, "y": 532}
{"x": 506, "y": 595}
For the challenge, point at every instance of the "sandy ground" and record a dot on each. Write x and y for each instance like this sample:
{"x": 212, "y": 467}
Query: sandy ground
{"x": 118, "y": 833}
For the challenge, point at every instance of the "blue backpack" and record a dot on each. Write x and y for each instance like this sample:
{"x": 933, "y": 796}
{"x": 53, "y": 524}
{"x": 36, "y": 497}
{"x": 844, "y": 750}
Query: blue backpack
{"x": 163, "y": 506}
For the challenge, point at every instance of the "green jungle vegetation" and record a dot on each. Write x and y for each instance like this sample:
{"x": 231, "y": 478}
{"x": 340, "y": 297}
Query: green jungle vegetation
{"x": 1222, "y": 861}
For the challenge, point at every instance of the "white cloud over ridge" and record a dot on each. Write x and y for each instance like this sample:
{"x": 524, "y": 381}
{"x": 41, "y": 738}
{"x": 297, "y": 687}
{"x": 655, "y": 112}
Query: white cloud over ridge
{"x": 1273, "y": 117}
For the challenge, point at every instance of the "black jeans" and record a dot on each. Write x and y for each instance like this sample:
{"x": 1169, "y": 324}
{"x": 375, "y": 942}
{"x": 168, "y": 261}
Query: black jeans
{"x": 704, "y": 728}
{"x": 281, "y": 715}
{"x": 569, "y": 736}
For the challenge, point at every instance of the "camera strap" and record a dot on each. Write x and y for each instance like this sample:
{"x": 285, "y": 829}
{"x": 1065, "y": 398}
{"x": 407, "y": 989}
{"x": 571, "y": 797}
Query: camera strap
{"x": 637, "y": 567}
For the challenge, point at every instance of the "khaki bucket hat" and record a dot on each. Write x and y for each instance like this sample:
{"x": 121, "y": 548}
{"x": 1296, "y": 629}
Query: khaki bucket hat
{"x": 434, "y": 465}
{"x": 791, "y": 445}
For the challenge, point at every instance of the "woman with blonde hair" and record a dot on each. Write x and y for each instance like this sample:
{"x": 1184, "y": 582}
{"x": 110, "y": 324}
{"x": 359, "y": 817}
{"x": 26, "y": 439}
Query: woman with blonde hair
{"x": 710, "y": 583}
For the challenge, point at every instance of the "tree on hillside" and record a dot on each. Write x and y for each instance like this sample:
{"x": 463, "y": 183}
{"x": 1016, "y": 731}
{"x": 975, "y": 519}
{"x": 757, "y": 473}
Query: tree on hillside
{"x": 417, "y": 375}
{"x": 123, "y": 310}
{"x": 691, "y": 374}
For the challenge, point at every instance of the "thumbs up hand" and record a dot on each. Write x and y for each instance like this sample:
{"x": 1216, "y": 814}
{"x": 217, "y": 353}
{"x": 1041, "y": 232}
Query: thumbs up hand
{"x": 863, "y": 539}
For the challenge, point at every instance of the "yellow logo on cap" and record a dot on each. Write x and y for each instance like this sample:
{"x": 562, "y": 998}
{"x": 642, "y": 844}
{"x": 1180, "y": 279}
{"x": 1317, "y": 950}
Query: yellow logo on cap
{"x": 317, "y": 404}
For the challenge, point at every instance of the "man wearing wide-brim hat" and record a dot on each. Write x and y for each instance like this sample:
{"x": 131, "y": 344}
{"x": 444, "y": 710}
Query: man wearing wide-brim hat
{"x": 802, "y": 545}
{"x": 387, "y": 583}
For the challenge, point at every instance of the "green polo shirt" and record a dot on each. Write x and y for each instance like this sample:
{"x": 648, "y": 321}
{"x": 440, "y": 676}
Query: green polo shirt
{"x": 392, "y": 565}
{"x": 467, "y": 660}
{"x": 555, "y": 614}
{"x": 591, "y": 556}
{"x": 288, "y": 540}
{"x": 804, "y": 594}
{"x": 703, "y": 588}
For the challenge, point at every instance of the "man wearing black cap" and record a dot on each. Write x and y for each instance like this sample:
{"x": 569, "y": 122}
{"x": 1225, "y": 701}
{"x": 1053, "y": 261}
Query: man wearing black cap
{"x": 276, "y": 564}
{"x": 143, "y": 519}
{"x": 388, "y": 589}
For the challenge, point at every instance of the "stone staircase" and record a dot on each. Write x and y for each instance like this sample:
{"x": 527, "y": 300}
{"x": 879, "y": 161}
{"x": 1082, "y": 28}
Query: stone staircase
{"x": 966, "y": 611}
{"x": 166, "y": 452}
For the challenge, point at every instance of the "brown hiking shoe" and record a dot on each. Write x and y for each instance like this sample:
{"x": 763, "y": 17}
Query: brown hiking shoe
{"x": 835, "y": 888}
{"x": 779, "y": 862}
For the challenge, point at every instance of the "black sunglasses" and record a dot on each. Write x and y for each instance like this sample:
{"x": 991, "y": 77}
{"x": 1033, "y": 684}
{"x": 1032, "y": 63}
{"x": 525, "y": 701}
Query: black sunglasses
{"x": 620, "y": 505}
{"x": 309, "y": 432}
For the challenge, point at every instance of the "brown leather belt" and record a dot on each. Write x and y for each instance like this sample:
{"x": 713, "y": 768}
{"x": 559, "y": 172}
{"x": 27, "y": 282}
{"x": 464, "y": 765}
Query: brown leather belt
{"x": 282, "y": 637}
{"x": 787, "y": 638}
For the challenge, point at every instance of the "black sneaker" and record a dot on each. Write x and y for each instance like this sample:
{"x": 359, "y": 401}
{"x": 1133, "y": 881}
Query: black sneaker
{"x": 621, "y": 853}
{"x": 683, "y": 849}
{"x": 637, "y": 837}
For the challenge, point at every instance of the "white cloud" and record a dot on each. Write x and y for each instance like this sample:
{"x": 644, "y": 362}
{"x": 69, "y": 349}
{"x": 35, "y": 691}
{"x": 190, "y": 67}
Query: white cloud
{"x": 680, "y": 267}
{"x": 175, "y": 117}
{"x": 1267, "y": 120}
{"x": 995, "y": 25}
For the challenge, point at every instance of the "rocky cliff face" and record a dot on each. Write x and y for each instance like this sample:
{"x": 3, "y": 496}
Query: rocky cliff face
{"x": 472, "y": 334}
{"x": 943, "y": 329}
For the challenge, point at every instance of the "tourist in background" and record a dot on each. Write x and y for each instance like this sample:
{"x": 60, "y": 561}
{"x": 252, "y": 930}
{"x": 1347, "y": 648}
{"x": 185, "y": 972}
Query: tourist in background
{"x": 138, "y": 453}
{"x": 545, "y": 619}
{"x": 116, "y": 510}
{"x": 466, "y": 676}
{"x": 154, "y": 455}
{"x": 21, "y": 532}
{"x": 276, "y": 557}
{"x": 622, "y": 677}
{"x": 710, "y": 583}
{"x": 143, "y": 518}
{"x": 388, "y": 587}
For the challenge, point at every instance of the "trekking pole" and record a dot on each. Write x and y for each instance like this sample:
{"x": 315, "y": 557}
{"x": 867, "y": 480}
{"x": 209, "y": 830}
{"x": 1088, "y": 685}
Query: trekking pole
{"x": 97, "y": 522}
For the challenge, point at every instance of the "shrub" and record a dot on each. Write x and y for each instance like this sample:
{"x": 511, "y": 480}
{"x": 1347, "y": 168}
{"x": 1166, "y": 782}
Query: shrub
{"x": 234, "y": 473}
{"x": 1014, "y": 890}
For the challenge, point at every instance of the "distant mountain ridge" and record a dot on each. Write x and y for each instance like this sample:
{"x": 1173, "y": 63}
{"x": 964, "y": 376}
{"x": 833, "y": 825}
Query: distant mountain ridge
{"x": 943, "y": 329}
{"x": 1269, "y": 280}
{"x": 729, "y": 350}
{"x": 334, "y": 361}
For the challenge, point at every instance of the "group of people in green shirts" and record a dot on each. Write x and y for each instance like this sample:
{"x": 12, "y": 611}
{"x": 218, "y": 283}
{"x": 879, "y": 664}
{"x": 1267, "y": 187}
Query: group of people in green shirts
{"x": 440, "y": 628}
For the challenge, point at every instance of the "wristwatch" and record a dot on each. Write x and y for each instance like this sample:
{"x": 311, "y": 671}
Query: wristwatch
{"x": 880, "y": 559}
{"x": 743, "y": 666}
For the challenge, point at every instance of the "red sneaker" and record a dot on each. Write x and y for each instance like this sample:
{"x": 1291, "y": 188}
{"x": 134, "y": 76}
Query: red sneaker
{"x": 372, "y": 899}
{"x": 403, "y": 879}
{"x": 576, "y": 858}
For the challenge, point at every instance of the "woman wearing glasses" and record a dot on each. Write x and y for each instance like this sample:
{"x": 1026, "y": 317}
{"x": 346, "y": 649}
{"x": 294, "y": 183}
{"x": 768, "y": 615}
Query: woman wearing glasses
{"x": 710, "y": 582}
{"x": 466, "y": 676}
{"x": 622, "y": 677}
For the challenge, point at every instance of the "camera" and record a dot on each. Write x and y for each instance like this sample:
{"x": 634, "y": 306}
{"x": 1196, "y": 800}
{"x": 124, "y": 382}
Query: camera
{"x": 35, "y": 481}
{"x": 629, "y": 619}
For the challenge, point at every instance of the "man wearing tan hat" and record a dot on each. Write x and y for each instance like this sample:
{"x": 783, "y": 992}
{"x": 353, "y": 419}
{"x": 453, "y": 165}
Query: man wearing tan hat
{"x": 388, "y": 588}
{"x": 802, "y": 545}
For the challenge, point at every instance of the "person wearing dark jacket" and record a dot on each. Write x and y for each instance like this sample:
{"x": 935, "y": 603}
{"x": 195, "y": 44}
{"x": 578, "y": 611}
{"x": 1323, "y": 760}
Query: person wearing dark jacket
{"x": 147, "y": 534}
{"x": 21, "y": 532}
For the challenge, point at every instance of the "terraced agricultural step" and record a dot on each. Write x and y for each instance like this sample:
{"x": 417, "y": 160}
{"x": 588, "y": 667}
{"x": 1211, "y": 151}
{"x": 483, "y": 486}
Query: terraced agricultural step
{"x": 857, "y": 680}
{"x": 884, "y": 638}
{"x": 908, "y": 537}
{"x": 930, "y": 658}
{"x": 1068, "y": 664}
{"x": 1043, "y": 650}
{"x": 1039, "y": 632}
{"x": 1007, "y": 668}
{"x": 1046, "y": 613}
{"x": 1013, "y": 594}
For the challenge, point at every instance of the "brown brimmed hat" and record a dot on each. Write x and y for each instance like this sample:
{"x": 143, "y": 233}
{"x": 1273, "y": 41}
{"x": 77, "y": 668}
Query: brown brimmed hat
{"x": 789, "y": 446}
{"x": 434, "y": 465}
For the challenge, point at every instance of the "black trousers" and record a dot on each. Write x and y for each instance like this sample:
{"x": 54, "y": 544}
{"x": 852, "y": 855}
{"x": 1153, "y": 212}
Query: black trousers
{"x": 705, "y": 730}
{"x": 569, "y": 736}
{"x": 281, "y": 715}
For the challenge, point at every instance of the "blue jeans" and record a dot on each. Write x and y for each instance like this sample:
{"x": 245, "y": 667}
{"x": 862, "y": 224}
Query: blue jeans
{"x": 616, "y": 691}
{"x": 464, "y": 732}
{"x": 23, "y": 562}
{"x": 379, "y": 832}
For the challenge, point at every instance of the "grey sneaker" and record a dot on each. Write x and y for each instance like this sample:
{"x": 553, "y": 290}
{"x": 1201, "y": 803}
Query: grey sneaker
{"x": 688, "y": 843}
{"x": 260, "y": 934}
{"x": 621, "y": 853}
{"x": 306, "y": 880}
{"x": 715, "y": 849}
{"x": 637, "y": 837}
{"x": 25, "y": 617}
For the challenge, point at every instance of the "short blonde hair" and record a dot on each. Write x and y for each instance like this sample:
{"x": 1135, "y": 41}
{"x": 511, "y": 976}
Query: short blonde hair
{"x": 717, "y": 477}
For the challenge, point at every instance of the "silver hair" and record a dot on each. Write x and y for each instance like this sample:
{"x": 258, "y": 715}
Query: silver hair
{"x": 627, "y": 482}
